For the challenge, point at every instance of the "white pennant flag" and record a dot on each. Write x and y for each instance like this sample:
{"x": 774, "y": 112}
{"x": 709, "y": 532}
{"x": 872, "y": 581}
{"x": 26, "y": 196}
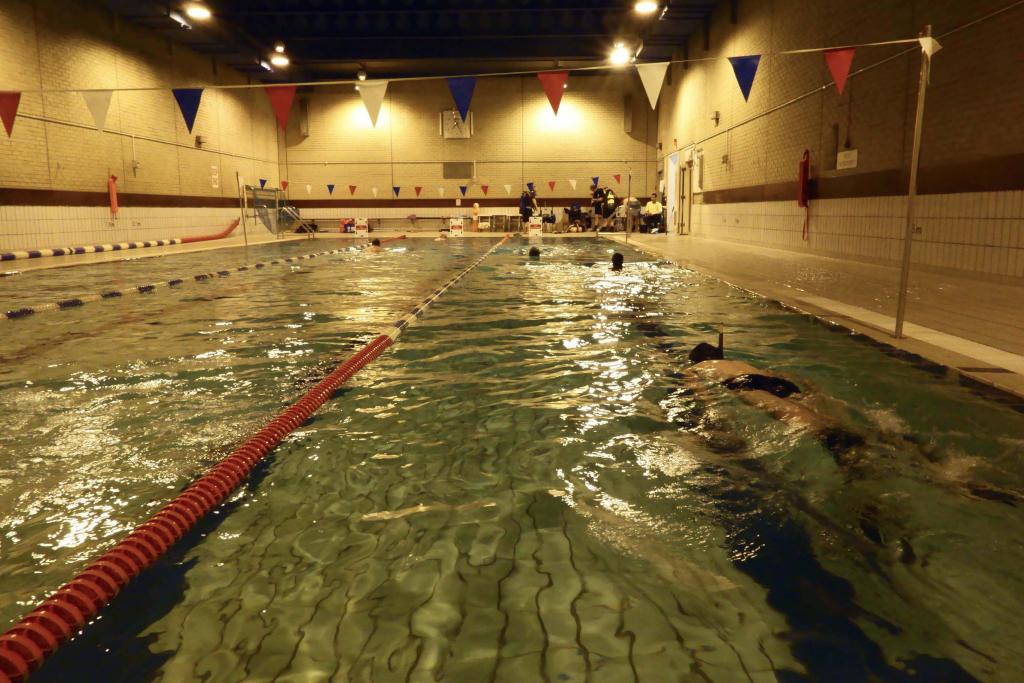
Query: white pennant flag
{"x": 98, "y": 102}
{"x": 929, "y": 45}
{"x": 440, "y": 191}
{"x": 372, "y": 93}
{"x": 508, "y": 190}
{"x": 652, "y": 76}
{"x": 572, "y": 181}
{"x": 374, "y": 190}
{"x": 309, "y": 188}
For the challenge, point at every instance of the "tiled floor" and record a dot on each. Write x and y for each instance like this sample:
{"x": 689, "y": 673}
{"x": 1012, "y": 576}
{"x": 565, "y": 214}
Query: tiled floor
{"x": 955, "y": 321}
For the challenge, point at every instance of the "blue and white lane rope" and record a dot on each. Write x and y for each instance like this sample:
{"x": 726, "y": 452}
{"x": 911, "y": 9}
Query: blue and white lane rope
{"x": 93, "y": 249}
{"x": 75, "y": 302}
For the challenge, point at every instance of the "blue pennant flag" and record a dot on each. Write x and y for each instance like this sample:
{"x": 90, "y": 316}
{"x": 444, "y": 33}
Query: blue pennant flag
{"x": 745, "y": 69}
{"x": 188, "y": 103}
{"x": 396, "y": 190}
{"x": 263, "y": 183}
{"x": 595, "y": 179}
{"x": 529, "y": 186}
{"x": 462, "y": 189}
{"x": 330, "y": 188}
{"x": 462, "y": 93}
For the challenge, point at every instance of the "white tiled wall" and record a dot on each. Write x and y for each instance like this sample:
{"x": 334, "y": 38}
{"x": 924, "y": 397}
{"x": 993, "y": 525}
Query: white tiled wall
{"x": 40, "y": 227}
{"x": 981, "y": 232}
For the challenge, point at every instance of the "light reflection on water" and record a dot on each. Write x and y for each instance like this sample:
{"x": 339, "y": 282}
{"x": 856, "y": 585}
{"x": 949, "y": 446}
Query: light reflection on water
{"x": 520, "y": 490}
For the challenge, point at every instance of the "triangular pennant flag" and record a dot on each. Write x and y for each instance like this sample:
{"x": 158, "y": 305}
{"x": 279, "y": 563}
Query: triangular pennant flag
{"x": 263, "y": 183}
{"x": 188, "y": 103}
{"x": 309, "y": 189}
{"x": 284, "y": 184}
{"x": 745, "y": 69}
{"x": 839, "y": 62}
{"x": 281, "y": 98}
{"x": 529, "y": 186}
{"x": 551, "y": 184}
{"x": 572, "y": 183}
{"x": 9, "y": 109}
{"x": 618, "y": 178}
{"x": 396, "y": 190}
{"x": 554, "y": 86}
{"x": 462, "y": 189}
{"x": 462, "y": 93}
{"x": 929, "y": 45}
{"x": 484, "y": 188}
{"x": 351, "y": 189}
{"x": 440, "y": 191}
{"x": 374, "y": 191}
{"x": 595, "y": 179}
{"x": 373, "y": 93}
{"x": 508, "y": 190}
{"x": 652, "y": 76}
{"x": 98, "y": 102}
{"x": 418, "y": 189}
{"x": 330, "y": 188}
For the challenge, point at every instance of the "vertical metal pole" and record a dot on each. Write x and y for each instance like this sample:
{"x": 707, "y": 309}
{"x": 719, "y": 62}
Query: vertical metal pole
{"x": 915, "y": 158}
{"x": 241, "y": 205}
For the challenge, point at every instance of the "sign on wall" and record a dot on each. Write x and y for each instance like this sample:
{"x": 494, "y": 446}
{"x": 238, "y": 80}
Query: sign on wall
{"x": 215, "y": 177}
{"x": 846, "y": 159}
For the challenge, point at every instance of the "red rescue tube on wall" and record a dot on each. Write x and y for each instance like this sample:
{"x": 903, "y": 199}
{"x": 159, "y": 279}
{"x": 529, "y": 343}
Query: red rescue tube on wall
{"x": 112, "y": 191}
{"x": 217, "y": 236}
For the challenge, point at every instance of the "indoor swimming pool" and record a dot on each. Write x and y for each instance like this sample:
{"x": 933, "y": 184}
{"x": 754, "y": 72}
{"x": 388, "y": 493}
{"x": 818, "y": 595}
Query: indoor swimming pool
{"x": 527, "y": 487}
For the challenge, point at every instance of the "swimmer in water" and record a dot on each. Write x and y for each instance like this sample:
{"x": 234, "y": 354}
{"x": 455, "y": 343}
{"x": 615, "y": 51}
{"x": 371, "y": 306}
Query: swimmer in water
{"x": 375, "y": 245}
{"x": 534, "y": 254}
{"x": 442, "y": 237}
{"x": 617, "y": 260}
{"x": 819, "y": 417}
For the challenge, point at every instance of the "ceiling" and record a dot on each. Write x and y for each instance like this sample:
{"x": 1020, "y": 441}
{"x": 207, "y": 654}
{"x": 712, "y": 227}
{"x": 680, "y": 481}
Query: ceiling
{"x": 333, "y": 39}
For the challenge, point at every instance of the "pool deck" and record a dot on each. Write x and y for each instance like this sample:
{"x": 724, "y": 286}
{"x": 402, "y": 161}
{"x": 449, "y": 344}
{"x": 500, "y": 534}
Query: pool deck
{"x": 972, "y": 327}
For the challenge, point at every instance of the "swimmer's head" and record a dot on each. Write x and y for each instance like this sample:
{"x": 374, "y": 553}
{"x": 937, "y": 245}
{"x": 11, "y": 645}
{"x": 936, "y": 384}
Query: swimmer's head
{"x": 534, "y": 253}
{"x": 617, "y": 260}
{"x": 375, "y": 242}
{"x": 704, "y": 351}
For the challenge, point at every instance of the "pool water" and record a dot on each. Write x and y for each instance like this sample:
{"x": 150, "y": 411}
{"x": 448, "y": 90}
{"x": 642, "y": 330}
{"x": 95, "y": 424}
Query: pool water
{"x": 522, "y": 489}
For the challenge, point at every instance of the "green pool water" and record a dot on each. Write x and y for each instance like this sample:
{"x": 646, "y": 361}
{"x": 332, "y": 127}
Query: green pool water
{"x": 515, "y": 492}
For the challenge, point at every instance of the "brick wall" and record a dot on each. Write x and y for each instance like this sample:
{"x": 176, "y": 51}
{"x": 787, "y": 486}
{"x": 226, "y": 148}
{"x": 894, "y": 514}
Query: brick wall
{"x": 63, "y": 44}
{"x": 516, "y": 139}
{"x": 972, "y": 160}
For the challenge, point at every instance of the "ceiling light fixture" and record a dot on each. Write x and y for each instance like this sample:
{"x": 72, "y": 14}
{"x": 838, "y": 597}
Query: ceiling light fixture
{"x": 178, "y": 18}
{"x": 197, "y": 11}
{"x": 645, "y": 7}
{"x": 361, "y": 75}
{"x": 266, "y": 66}
{"x": 279, "y": 59}
{"x": 620, "y": 56}
{"x": 279, "y": 47}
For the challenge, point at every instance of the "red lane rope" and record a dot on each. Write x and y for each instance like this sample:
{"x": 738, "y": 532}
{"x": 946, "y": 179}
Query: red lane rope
{"x": 216, "y": 236}
{"x": 27, "y": 644}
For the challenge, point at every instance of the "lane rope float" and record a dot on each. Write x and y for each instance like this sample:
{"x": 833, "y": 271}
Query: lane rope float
{"x": 117, "y": 246}
{"x": 27, "y": 644}
{"x": 75, "y": 302}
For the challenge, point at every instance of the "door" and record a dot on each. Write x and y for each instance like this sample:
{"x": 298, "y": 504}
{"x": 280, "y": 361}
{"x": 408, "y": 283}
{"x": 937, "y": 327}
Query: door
{"x": 672, "y": 192}
{"x": 685, "y": 196}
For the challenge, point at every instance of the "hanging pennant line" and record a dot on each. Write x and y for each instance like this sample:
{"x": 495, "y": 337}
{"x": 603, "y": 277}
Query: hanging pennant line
{"x": 601, "y": 67}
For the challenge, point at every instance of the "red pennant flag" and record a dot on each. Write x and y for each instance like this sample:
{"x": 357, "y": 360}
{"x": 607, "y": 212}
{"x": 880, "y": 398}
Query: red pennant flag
{"x": 839, "y": 62}
{"x": 551, "y": 184}
{"x": 9, "y": 101}
{"x": 284, "y": 184}
{"x": 484, "y": 189}
{"x": 351, "y": 189}
{"x": 618, "y": 178}
{"x": 554, "y": 86}
{"x": 281, "y": 102}
{"x": 418, "y": 190}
